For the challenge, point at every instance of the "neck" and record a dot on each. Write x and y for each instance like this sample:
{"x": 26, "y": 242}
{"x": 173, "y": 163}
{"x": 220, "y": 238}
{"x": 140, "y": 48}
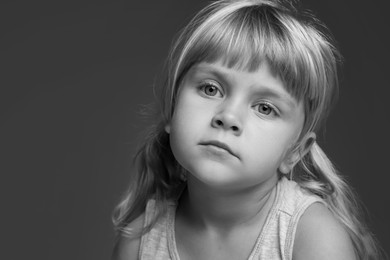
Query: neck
{"x": 213, "y": 208}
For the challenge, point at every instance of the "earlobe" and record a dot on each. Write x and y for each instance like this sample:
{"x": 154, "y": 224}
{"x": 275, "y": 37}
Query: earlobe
{"x": 167, "y": 128}
{"x": 284, "y": 168}
{"x": 296, "y": 155}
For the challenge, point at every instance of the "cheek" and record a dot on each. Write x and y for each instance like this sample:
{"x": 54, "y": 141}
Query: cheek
{"x": 182, "y": 134}
{"x": 266, "y": 153}
{"x": 191, "y": 113}
{"x": 268, "y": 146}
{"x": 177, "y": 141}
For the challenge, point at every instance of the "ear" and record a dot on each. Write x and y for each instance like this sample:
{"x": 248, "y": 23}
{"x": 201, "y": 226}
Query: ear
{"x": 294, "y": 156}
{"x": 168, "y": 128}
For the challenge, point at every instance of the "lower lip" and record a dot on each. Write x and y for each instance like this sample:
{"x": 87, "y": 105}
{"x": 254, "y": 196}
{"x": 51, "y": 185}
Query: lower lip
{"x": 217, "y": 151}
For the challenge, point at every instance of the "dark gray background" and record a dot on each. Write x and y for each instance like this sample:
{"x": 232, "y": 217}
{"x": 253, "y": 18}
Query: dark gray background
{"x": 74, "y": 75}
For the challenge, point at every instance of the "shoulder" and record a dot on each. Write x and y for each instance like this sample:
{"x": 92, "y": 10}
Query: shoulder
{"x": 319, "y": 235}
{"x": 127, "y": 248}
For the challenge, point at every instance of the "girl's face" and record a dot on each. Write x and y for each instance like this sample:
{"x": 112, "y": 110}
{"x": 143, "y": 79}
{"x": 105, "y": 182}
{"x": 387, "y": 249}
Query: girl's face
{"x": 233, "y": 128}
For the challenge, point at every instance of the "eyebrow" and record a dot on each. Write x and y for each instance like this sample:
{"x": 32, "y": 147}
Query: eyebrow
{"x": 264, "y": 90}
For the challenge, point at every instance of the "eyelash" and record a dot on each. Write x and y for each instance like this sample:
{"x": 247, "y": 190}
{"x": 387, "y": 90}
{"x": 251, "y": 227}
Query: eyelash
{"x": 270, "y": 106}
{"x": 204, "y": 85}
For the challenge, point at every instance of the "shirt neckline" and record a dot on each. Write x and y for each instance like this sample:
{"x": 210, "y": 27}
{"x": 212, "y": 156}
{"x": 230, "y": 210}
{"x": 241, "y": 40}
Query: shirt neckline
{"x": 172, "y": 247}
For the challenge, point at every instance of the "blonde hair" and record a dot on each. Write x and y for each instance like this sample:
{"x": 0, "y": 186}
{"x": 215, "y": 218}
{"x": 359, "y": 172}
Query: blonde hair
{"x": 245, "y": 34}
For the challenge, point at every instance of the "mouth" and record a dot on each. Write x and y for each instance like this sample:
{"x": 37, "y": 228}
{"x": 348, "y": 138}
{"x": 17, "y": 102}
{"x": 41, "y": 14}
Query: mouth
{"x": 220, "y": 145}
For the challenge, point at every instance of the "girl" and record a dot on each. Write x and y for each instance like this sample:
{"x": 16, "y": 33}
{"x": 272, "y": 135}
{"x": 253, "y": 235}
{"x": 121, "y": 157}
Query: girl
{"x": 232, "y": 169}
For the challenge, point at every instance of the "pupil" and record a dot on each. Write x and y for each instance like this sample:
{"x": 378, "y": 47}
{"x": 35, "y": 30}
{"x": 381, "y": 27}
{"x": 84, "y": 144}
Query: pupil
{"x": 210, "y": 90}
{"x": 264, "y": 108}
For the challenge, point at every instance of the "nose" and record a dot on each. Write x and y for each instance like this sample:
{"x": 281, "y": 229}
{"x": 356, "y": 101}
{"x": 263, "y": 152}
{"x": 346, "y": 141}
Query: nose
{"x": 227, "y": 120}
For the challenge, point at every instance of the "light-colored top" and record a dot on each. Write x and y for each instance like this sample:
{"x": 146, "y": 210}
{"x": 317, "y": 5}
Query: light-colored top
{"x": 275, "y": 241}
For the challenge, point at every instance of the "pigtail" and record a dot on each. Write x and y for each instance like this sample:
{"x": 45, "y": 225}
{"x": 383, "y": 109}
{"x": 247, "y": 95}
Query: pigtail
{"x": 155, "y": 178}
{"x": 319, "y": 176}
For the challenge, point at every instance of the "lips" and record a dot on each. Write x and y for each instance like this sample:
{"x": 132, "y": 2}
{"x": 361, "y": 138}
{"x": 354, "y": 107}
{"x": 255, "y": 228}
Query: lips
{"x": 219, "y": 145}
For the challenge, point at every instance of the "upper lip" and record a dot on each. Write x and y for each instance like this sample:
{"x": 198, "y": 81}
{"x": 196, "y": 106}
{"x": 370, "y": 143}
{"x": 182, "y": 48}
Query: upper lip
{"x": 220, "y": 145}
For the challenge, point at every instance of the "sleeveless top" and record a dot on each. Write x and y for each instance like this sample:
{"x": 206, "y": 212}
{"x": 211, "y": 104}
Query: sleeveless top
{"x": 275, "y": 240}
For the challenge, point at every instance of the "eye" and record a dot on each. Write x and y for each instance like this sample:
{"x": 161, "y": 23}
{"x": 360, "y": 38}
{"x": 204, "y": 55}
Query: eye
{"x": 266, "y": 108}
{"x": 210, "y": 89}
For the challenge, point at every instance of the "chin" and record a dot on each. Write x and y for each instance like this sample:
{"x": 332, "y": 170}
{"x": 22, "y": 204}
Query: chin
{"x": 216, "y": 178}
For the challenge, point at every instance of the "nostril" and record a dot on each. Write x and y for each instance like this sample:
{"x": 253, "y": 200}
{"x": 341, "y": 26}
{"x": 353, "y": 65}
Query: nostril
{"x": 219, "y": 122}
{"x": 235, "y": 128}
